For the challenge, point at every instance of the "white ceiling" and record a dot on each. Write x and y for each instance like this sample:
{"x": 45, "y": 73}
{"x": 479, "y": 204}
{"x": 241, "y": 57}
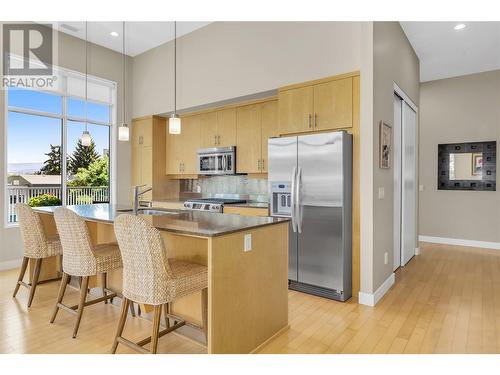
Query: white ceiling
{"x": 445, "y": 52}
{"x": 139, "y": 36}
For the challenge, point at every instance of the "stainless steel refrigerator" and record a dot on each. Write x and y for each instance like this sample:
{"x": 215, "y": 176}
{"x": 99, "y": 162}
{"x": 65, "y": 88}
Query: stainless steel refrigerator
{"x": 310, "y": 181}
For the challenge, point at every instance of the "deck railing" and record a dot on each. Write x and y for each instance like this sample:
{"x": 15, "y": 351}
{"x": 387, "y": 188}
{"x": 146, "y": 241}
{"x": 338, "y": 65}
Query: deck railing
{"x": 74, "y": 195}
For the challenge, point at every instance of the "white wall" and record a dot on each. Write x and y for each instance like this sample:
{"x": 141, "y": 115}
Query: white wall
{"x": 456, "y": 110}
{"x": 103, "y": 63}
{"x": 226, "y": 60}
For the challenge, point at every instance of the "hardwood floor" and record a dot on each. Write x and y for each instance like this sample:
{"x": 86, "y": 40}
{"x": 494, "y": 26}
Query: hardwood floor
{"x": 447, "y": 300}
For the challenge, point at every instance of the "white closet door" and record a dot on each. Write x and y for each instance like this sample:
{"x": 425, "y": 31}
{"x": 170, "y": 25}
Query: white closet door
{"x": 397, "y": 179}
{"x": 409, "y": 183}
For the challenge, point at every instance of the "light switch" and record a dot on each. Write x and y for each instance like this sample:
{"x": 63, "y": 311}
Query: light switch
{"x": 420, "y": 187}
{"x": 248, "y": 242}
{"x": 381, "y": 193}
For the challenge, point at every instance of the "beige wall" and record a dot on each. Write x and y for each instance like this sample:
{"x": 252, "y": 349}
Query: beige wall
{"x": 103, "y": 63}
{"x": 231, "y": 59}
{"x": 394, "y": 61}
{"x": 461, "y": 109}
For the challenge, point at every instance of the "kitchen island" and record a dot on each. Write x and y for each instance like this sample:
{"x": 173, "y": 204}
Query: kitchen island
{"x": 247, "y": 290}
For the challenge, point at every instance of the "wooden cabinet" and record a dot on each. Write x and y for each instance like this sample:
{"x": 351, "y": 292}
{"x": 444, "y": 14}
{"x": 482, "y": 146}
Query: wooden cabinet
{"x": 246, "y": 211}
{"x": 208, "y": 130}
{"x": 255, "y": 124}
{"x": 181, "y": 148}
{"x": 270, "y": 124}
{"x": 333, "y": 105}
{"x": 226, "y": 127}
{"x": 148, "y": 154}
{"x": 218, "y": 128}
{"x": 321, "y": 105}
{"x": 248, "y": 142}
{"x": 296, "y": 108}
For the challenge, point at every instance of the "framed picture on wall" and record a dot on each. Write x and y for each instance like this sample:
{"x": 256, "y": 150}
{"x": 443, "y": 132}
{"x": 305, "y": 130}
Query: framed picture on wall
{"x": 477, "y": 164}
{"x": 385, "y": 145}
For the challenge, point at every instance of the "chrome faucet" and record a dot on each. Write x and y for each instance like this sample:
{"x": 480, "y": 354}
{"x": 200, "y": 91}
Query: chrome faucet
{"x": 137, "y": 194}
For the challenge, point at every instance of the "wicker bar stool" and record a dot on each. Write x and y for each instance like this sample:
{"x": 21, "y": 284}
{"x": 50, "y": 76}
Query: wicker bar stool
{"x": 37, "y": 245}
{"x": 151, "y": 278}
{"x": 82, "y": 259}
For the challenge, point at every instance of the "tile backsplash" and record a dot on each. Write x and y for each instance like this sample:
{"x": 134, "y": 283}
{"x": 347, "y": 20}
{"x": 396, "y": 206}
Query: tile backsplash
{"x": 256, "y": 188}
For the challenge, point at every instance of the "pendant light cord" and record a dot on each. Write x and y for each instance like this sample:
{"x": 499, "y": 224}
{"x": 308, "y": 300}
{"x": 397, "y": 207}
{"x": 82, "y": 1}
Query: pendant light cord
{"x": 124, "y": 78}
{"x": 175, "y": 68}
{"x": 86, "y": 73}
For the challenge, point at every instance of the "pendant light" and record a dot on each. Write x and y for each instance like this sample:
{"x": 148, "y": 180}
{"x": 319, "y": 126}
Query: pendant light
{"x": 85, "y": 139}
{"x": 174, "y": 122}
{"x": 123, "y": 129}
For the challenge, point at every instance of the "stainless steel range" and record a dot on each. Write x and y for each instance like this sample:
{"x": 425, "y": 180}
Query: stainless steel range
{"x": 215, "y": 204}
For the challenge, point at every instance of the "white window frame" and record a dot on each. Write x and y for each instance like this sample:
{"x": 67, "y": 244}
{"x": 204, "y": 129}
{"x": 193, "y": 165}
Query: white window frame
{"x": 63, "y": 74}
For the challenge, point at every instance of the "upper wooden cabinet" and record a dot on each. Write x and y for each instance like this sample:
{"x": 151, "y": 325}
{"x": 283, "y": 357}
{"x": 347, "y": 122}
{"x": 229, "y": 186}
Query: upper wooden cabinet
{"x": 333, "y": 105}
{"x": 318, "y": 105}
{"x": 296, "y": 109}
{"x": 226, "y": 127}
{"x": 256, "y": 123}
{"x": 218, "y": 128}
{"x": 208, "y": 130}
{"x": 248, "y": 143}
{"x": 270, "y": 124}
{"x": 181, "y": 148}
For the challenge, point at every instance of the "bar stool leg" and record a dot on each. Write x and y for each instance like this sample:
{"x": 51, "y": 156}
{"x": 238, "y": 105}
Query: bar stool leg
{"x": 121, "y": 324}
{"x": 81, "y": 305}
{"x": 103, "y": 286}
{"x": 132, "y": 310}
{"x": 166, "y": 311}
{"x": 62, "y": 289}
{"x": 21, "y": 275}
{"x": 156, "y": 328}
{"x": 34, "y": 282}
{"x": 204, "y": 312}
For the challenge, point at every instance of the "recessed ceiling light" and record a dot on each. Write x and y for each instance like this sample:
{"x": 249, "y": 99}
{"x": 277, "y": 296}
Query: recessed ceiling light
{"x": 113, "y": 33}
{"x": 460, "y": 26}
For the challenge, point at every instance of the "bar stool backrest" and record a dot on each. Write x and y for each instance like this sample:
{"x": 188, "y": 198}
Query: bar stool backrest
{"x": 32, "y": 232}
{"x": 78, "y": 258}
{"x": 146, "y": 271}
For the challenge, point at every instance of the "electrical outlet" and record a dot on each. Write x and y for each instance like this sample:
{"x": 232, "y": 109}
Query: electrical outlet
{"x": 386, "y": 257}
{"x": 381, "y": 193}
{"x": 248, "y": 242}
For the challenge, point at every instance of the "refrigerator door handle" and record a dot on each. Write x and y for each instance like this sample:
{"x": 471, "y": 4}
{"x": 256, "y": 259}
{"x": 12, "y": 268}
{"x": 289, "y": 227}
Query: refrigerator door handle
{"x": 297, "y": 197}
{"x": 294, "y": 176}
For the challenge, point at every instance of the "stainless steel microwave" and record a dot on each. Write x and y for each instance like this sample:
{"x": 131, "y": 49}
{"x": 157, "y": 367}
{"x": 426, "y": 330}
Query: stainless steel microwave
{"x": 217, "y": 160}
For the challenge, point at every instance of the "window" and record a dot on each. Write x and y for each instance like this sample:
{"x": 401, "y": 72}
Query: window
{"x": 44, "y": 126}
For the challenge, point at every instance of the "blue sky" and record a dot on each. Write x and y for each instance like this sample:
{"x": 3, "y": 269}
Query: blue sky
{"x": 29, "y": 136}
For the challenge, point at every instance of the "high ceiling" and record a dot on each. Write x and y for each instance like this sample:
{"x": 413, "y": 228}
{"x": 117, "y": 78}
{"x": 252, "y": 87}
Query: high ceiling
{"x": 445, "y": 52}
{"x": 139, "y": 36}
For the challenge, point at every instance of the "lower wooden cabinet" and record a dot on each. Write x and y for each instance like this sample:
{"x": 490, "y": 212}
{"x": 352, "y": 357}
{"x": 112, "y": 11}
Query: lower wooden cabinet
{"x": 246, "y": 211}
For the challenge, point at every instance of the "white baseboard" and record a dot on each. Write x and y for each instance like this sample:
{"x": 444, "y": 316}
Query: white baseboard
{"x": 372, "y": 299}
{"x": 10, "y": 264}
{"x": 460, "y": 242}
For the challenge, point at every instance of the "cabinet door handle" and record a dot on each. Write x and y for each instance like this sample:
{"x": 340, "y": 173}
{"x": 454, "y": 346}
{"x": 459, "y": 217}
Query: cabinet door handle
{"x": 315, "y": 120}
{"x": 262, "y": 169}
{"x": 215, "y": 140}
{"x": 218, "y": 139}
{"x": 309, "y": 120}
{"x": 141, "y": 140}
{"x": 258, "y": 164}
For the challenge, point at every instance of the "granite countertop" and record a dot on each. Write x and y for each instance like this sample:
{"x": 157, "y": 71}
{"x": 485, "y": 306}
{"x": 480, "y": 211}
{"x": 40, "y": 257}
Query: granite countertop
{"x": 196, "y": 223}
